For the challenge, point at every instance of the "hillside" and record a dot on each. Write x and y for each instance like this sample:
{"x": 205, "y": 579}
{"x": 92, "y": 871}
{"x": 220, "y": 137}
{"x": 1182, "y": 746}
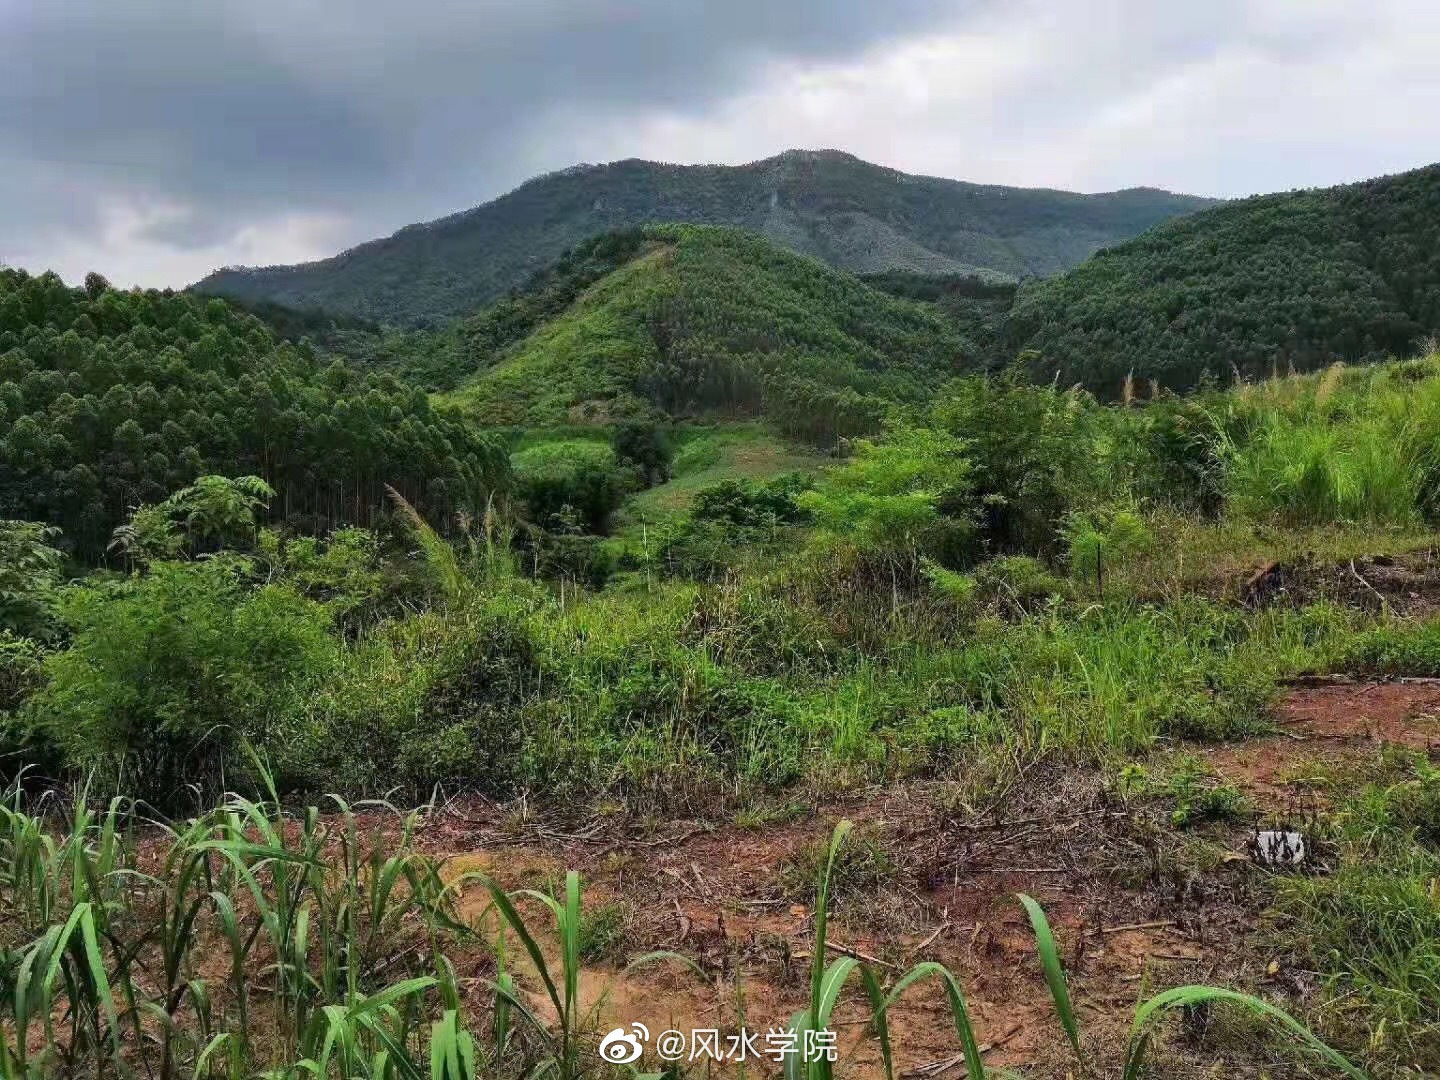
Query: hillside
{"x": 111, "y": 399}
{"x": 853, "y": 215}
{"x": 1280, "y": 281}
{"x": 694, "y": 319}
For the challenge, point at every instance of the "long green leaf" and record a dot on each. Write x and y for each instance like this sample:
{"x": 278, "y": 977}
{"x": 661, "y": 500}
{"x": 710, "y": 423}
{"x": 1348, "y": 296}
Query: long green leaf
{"x": 1186, "y": 996}
{"x": 1054, "y": 973}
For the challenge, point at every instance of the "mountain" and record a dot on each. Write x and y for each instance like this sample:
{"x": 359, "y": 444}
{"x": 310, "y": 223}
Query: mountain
{"x": 701, "y": 320}
{"x": 1295, "y": 280}
{"x": 834, "y": 207}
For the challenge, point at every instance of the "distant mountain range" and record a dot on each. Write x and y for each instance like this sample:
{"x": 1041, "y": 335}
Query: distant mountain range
{"x": 832, "y": 206}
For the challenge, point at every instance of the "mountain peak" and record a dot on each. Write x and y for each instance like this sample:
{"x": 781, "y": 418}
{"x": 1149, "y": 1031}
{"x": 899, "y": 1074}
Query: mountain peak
{"x": 859, "y": 217}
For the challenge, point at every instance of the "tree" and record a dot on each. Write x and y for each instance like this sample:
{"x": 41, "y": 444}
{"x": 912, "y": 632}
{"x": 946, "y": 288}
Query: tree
{"x": 29, "y": 575}
{"x": 643, "y": 444}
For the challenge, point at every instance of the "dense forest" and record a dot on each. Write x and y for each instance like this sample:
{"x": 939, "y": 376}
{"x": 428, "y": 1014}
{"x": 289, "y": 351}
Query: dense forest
{"x": 110, "y": 400}
{"x": 1280, "y": 282}
{"x": 831, "y": 206}
{"x": 708, "y": 319}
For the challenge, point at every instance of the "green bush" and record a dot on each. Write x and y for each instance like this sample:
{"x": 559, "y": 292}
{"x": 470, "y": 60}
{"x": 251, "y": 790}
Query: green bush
{"x": 644, "y": 446}
{"x": 750, "y": 504}
{"x": 898, "y": 499}
{"x": 1035, "y": 456}
{"x": 437, "y": 698}
{"x": 22, "y": 673}
{"x": 1019, "y": 579}
{"x": 345, "y": 571}
{"x": 167, "y": 673}
{"x": 29, "y": 576}
{"x": 726, "y": 520}
{"x": 1105, "y": 539}
{"x": 572, "y": 485}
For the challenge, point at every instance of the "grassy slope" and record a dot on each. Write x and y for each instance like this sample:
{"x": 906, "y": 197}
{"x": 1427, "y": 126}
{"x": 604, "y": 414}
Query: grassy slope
{"x": 595, "y": 352}
{"x": 707, "y": 456}
{"x": 832, "y": 206}
{"x": 720, "y": 320}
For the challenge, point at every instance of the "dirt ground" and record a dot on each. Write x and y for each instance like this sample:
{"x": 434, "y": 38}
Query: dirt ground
{"x": 1136, "y": 905}
{"x": 1407, "y": 585}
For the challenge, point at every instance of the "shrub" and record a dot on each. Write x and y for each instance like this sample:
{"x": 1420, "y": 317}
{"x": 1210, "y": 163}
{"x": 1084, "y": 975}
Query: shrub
{"x": 346, "y": 571}
{"x": 905, "y": 496}
{"x": 437, "y": 698}
{"x": 1019, "y": 579}
{"x": 168, "y": 672}
{"x": 1181, "y": 449}
{"x": 29, "y": 575}
{"x": 585, "y": 559}
{"x": 571, "y": 486}
{"x": 1102, "y": 539}
{"x": 1034, "y": 455}
{"x": 644, "y": 446}
{"x": 21, "y": 669}
{"x": 748, "y": 504}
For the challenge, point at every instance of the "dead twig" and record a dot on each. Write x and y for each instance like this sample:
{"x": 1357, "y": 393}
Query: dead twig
{"x": 684, "y": 921}
{"x": 935, "y": 1068}
{"x": 1135, "y": 926}
{"x": 856, "y": 954}
{"x": 926, "y": 943}
{"x": 1360, "y": 578}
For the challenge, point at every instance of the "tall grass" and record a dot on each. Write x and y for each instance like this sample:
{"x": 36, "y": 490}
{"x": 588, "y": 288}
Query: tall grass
{"x": 332, "y": 931}
{"x": 1358, "y": 446}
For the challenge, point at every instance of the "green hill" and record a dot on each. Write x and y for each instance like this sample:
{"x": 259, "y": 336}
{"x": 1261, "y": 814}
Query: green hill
{"x": 110, "y": 399}
{"x": 853, "y": 215}
{"x": 1293, "y": 280}
{"x": 695, "y": 320}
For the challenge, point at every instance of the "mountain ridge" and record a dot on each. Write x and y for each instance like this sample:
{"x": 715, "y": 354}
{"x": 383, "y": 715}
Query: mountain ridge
{"x": 828, "y": 204}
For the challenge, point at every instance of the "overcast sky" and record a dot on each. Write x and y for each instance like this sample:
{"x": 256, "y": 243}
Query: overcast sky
{"x": 154, "y": 140}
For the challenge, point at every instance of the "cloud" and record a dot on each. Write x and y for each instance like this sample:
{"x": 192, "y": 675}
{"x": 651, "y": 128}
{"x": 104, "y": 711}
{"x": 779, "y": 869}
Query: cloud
{"x": 154, "y": 141}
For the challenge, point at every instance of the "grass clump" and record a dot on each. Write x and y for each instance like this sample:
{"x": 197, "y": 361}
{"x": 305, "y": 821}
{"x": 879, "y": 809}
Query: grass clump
{"x": 1347, "y": 445}
{"x": 1196, "y": 794}
{"x": 861, "y": 866}
{"x": 1371, "y": 927}
{"x": 1396, "y": 649}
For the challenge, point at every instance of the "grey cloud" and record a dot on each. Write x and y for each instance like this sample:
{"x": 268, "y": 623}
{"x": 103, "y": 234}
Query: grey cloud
{"x": 383, "y": 111}
{"x": 223, "y": 126}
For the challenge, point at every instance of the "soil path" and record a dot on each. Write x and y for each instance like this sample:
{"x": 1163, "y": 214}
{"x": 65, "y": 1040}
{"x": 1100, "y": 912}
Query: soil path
{"x": 1323, "y": 726}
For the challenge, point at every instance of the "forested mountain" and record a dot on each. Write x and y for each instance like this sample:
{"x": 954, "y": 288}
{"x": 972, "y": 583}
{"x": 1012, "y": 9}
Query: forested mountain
{"x": 697, "y": 319}
{"x": 111, "y": 399}
{"x": 1292, "y": 280}
{"x": 853, "y": 215}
